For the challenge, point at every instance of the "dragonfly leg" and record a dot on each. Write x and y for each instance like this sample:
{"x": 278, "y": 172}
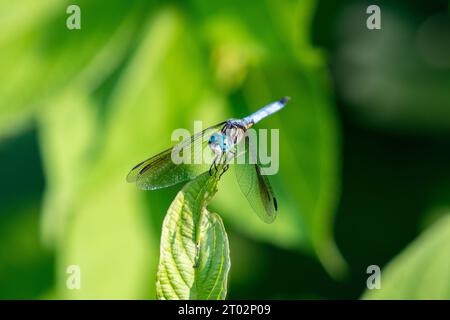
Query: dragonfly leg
{"x": 210, "y": 170}
{"x": 213, "y": 165}
{"x": 228, "y": 157}
{"x": 225, "y": 168}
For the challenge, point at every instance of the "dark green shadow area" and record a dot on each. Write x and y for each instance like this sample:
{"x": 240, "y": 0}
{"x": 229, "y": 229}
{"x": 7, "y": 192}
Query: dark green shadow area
{"x": 26, "y": 268}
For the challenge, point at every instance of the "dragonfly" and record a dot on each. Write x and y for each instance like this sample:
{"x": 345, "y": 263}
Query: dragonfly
{"x": 162, "y": 171}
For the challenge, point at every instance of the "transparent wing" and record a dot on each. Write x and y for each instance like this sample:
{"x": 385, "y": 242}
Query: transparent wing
{"x": 255, "y": 186}
{"x": 161, "y": 171}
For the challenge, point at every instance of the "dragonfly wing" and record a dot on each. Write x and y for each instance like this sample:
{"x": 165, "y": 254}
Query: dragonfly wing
{"x": 256, "y": 188}
{"x": 161, "y": 171}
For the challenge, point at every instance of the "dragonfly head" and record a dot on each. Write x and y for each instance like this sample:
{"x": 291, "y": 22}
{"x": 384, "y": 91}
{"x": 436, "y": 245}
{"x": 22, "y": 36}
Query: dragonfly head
{"x": 218, "y": 143}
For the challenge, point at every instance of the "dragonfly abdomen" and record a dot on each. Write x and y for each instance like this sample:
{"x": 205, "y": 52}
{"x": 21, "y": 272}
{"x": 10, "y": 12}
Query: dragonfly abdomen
{"x": 265, "y": 111}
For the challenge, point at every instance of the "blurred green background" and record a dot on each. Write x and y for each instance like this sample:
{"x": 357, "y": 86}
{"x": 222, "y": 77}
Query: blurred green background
{"x": 364, "y": 144}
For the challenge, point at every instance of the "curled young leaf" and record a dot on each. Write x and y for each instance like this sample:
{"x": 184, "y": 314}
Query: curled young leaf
{"x": 194, "y": 259}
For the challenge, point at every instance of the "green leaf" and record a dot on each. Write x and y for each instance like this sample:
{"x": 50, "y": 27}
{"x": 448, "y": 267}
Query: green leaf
{"x": 421, "y": 270}
{"x": 195, "y": 259}
{"x": 36, "y": 39}
{"x": 111, "y": 228}
{"x": 66, "y": 136}
{"x": 109, "y": 239}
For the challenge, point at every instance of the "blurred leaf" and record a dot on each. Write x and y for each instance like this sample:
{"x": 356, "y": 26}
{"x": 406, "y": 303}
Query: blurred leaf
{"x": 144, "y": 108}
{"x": 109, "y": 230}
{"x": 187, "y": 224}
{"x": 101, "y": 234}
{"x": 109, "y": 240}
{"x": 397, "y": 79}
{"x": 125, "y": 222}
{"x": 48, "y": 56}
{"x": 421, "y": 270}
{"x": 83, "y": 179}
{"x": 67, "y": 134}
{"x": 19, "y": 23}
{"x": 307, "y": 184}
{"x": 23, "y": 16}
{"x": 310, "y": 167}
{"x": 145, "y": 111}
{"x": 157, "y": 76}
